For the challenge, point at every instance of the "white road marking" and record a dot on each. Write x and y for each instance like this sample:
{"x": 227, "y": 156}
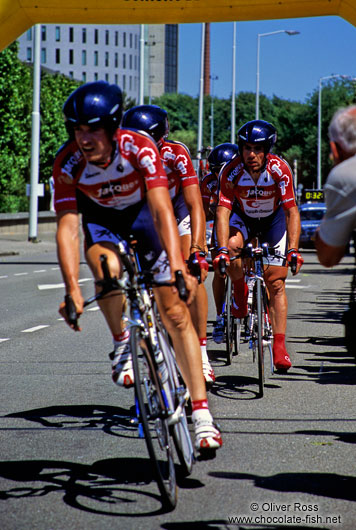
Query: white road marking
{"x": 44, "y": 286}
{"x": 293, "y": 280}
{"x": 36, "y": 328}
{"x": 41, "y": 270}
{"x": 3, "y": 340}
{"x": 21, "y": 274}
{"x": 297, "y": 286}
{"x": 93, "y": 309}
{"x": 54, "y": 268}
{"x": 3, "y": 277}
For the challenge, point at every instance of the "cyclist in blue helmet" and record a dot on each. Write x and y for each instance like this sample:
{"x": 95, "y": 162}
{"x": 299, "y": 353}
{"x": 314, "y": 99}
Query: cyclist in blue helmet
{"x": 114, "y": 178}
{"x": 218, "y": 157}
{"x": 257, "y": 198}
{"x": 188, "y": 210}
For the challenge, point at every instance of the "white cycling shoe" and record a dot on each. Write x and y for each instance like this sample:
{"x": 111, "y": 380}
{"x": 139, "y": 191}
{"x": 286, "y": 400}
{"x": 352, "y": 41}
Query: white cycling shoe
{"x": 207, "y": 435}
{"x": 122, "y": 369}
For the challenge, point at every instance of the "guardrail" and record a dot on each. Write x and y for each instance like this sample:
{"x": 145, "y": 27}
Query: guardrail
{"x": 17, "y": 223}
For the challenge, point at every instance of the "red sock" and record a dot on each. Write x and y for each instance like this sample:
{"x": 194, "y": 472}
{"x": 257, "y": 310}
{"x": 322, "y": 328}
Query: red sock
{"x": 239, "y": 309}
{"x": 199, "y": 404}
{"x": 281, "y": 358}
{"x": 202, "y": 341}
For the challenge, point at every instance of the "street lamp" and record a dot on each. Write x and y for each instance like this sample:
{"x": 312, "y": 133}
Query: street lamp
{"x": 212, "y": 78}
{"x": 318, "y": 185}
{"x": 288, "y": 32}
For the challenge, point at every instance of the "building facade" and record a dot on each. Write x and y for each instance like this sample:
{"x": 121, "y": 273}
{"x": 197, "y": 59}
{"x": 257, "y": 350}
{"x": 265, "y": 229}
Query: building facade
{"x": 111, "y": 52}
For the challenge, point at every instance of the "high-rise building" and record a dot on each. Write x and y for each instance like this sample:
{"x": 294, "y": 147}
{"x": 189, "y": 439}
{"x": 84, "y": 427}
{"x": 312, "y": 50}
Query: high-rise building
{"x": 111, "y": 52}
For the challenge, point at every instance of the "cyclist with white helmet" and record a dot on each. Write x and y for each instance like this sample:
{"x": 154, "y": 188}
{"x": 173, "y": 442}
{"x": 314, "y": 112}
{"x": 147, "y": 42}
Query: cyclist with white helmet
{"x": 209, "y": 187}
{"x": 114, "y": 178}
{"x": 256, "y": 189}
{"x": 188, "y": 210}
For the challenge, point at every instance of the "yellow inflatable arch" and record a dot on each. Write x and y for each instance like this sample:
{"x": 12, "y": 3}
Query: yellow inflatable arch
{"x": 18, "y": 15}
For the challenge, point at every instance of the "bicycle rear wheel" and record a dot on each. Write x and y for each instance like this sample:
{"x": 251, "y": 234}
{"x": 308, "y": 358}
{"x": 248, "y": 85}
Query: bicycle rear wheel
{"x": 153, "y": 417}
{"x": 229, "y": 321}
{"x": 175, "y": 390}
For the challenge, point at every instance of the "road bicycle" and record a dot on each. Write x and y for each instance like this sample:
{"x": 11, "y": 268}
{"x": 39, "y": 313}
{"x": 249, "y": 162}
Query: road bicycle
{"x": 258, "y": 328}
{"x": 160, "y": 393}
{"x": 232, "y": 325}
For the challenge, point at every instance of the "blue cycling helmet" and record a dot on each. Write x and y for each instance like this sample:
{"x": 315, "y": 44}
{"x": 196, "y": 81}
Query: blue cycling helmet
{"x": 258, "y": 131}
{"x": 220, "y": 154}
{"x": 149, "y": 118}
{"x": 97, "y": 104}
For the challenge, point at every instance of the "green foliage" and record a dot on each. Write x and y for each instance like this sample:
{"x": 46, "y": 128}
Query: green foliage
{"x": 296, "y": 123}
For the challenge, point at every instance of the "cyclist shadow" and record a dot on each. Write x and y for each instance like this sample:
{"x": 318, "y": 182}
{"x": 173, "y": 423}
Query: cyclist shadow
{"x": 329, "y": 485}
{"x": 106, "y": 487}
{"x": 112, "y": 420}
{"x": 238, "y": 387}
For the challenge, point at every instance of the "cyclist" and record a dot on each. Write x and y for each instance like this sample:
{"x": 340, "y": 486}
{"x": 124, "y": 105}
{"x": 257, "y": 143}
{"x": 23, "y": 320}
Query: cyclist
{"x": 209, "y": 191}
{"x": 115, "y": 179}
{"x": 256, "y": 188}
{"x": 187, "y": 206}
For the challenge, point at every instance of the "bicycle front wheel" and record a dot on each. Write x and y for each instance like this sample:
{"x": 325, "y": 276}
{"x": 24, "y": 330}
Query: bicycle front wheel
{"x": 229, "y": 321}
{"x": 152, "y": 414}
{"x": 259, "y": 336}
{"x": 175, "y": 391}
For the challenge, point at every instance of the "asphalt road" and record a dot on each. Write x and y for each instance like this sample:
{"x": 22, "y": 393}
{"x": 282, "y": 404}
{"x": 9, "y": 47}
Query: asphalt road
{"x": 71, "y": 459}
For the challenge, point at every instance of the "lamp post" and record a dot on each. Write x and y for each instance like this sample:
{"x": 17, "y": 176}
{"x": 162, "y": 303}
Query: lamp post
{"x": 321, "y": 79}
{"x": 288, "y": 32}
{"x": 233, "y": 91}
{"x": 212, "y": 78}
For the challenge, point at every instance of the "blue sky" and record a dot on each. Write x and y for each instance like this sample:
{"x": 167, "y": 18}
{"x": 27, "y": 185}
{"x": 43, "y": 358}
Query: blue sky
{"x": 290, "y": 66}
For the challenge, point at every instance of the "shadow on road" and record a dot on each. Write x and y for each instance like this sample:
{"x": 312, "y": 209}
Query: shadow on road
{"x": 323, "y": 484}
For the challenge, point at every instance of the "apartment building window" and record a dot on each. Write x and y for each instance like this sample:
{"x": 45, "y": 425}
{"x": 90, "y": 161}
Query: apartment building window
{"x": 29, "y": 54}
{"x": 130, "y": 82}
{"x": 116, "y": 38}
{"x": 116, "y": 79}
{"x": 96, "y": 58}
{"x": 124, "y": 60}
{"x": 71, "y": 34}
{"x": 71, "y": 57}
{"x": 116, "y": 60}
{"x": 107, "y": 37}
{"x": 84, "y": 77}
{"x": 58, "y": 56}
{"x": 58, "y": 34}
{"x": 84, "y": 35}
{"x": 124, "y": 82}
{"x": 29, "y": 34}
{"x": 106, "y": 58}
{"x": 95, "y": 76}
{"x": 136, "y": 41}
{"x": 124, "y": 39}
{"x": 130, "y": 62}
{"x": 43, "y": 55}
{"x": 96, "y": 36}
{"x": 107, "y": 78}
{"x": 84, "y": 57}
{"x": 130, "y": 40}
{"x": 43, "y": 33}
{"x": 71, "y": 75}
{"x": 135, "y": 62}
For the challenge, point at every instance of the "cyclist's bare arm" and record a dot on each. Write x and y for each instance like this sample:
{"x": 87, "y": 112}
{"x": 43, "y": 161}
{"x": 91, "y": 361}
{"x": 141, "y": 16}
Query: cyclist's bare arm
{"x": 293, "y": 230}
{"x": 222, "y": 225}
{"x": 193, "y": 200}
{"x": 328, "y": 255}
{"x": 68, "y": 251}
{"x": 161, "y": 208}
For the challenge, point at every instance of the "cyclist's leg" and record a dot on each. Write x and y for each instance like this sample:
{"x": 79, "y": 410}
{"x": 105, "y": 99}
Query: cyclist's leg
{"x": 218, "y": 286}
{"x": 275, "y": 276}
{"x": 199, "y": 307}
{"x": 176, "y": 318}
{"x": 238, "y": 236}
{"x": 99, "y": 240}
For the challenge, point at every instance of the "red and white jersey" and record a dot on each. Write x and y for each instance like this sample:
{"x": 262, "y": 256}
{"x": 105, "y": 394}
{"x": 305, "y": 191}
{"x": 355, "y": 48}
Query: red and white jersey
{"x": 135, "y": 168}
{"x": 273, "y": 188}
{"x": 178, "y": 166}
{"x": 209, "y": 188}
